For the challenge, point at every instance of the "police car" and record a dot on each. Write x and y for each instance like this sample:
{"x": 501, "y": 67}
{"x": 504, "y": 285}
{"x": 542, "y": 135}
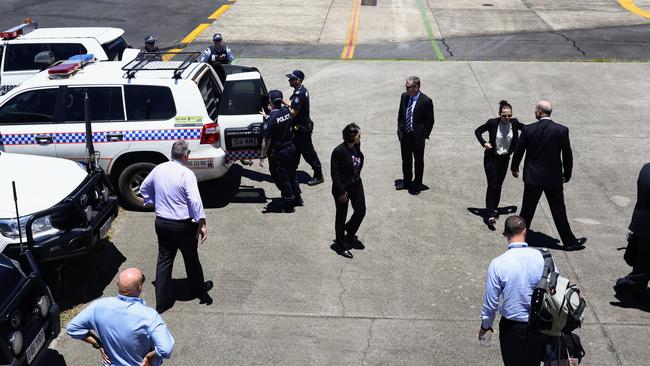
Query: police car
{"x": 138, "y": 108}
{"x": 63, "y": 210}
{"x": 26, "y": 49}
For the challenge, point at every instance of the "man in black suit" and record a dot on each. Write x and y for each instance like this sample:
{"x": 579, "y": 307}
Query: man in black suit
{"x": 544, "y": 143}
{"x": 633, "y": 288}
{"x": 414, "y": 124}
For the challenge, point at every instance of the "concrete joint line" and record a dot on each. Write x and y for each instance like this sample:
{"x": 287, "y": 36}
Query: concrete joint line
{"x": 481, "y": 86}
{"x": 322, "y": 29}
{"x": 570, "y": 40}
{"x": 342, "y": 293}
{"x": 365, "y": 351}
{"x": 444, "y": 42}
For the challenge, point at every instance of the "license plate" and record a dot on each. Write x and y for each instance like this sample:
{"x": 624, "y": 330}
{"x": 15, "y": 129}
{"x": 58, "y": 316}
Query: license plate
{"x": 104, "y": 229}
{"x": 36, "y": 345}
{"x": 237, "y": 142}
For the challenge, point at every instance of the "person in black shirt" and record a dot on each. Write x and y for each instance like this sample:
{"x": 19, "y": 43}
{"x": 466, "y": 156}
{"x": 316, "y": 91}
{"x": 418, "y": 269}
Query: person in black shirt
{"x": 303, "y": 125}
{"x": 346, "y": 165}
{"x": 278, "y": 146}
{"x": 150, "y": 51}
{"x": 503, "y": 134}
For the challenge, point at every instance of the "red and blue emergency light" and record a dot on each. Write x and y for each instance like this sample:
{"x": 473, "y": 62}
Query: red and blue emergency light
{"x": 70, "y": 66}
{"x": 19, "y": 30}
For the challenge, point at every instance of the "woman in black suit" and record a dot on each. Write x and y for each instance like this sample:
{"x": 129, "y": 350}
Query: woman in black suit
{"x": 346, "y": 165}
{"x": 503, "y": 133}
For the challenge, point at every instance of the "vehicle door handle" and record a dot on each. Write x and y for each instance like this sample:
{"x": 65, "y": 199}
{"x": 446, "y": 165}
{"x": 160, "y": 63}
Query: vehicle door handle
{"x": 114, "y": 136}
{"x": 43, "y": 139}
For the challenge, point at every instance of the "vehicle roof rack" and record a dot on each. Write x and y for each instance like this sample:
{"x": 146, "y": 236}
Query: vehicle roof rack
{"x": 150, "y": 61}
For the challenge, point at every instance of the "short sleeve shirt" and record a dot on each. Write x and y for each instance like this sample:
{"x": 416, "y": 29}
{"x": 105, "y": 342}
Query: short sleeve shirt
{"x": 300, "y": 103}
{"x": 277, "y": 126}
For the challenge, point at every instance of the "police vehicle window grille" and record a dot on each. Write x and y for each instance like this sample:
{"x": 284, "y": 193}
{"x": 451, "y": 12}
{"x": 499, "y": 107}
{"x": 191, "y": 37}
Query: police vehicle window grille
{"x": 145, "y": 103}
{"x": 115, "y": 49}
{"x": 105, "y": 104}
{"x": 34, "y": 106}
{"x": 240, "y": 97}
{"x": 21, "y": 56}
{"x": 210, "y": 94}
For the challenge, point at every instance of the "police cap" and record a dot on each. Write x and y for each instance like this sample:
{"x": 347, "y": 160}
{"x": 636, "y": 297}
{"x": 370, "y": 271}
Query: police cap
{"x": 217, "y": 37}
{"x": 275, "y": 96}
{"x": 149, "y": 39}
{"x": 296, "y": 74}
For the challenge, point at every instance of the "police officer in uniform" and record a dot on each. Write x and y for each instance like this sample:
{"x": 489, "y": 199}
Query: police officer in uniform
{"x": 218, "y": 53}
{"x": 278, "y": 146}
{"x": 150, "y": 47}
{"x": 303, "y": 125}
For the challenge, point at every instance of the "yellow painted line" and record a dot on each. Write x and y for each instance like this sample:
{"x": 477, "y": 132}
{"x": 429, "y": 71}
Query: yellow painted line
{"x": 219, "y": 12}
{"x": 353, "y": 29}
{"x": 195, "y": 33}
{"x": 172, "y": 53}
{"x": 630, "y": 5}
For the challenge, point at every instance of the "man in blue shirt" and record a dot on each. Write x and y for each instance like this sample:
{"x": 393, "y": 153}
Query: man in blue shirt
{"x": 513, "y": 275}
{"x": 124, "y": 329}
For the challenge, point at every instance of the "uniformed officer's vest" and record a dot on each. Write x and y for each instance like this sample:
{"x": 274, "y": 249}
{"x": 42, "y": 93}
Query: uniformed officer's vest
{"x": 302, "y": 94}
{"x": 279, "y": 125}
{"x": 219, "y": 52}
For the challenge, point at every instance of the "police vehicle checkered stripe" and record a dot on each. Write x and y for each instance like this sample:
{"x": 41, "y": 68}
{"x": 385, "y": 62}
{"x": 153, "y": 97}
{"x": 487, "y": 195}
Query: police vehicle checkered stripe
{"x": 80, "y": 137}
{"x": 244, "y": 154}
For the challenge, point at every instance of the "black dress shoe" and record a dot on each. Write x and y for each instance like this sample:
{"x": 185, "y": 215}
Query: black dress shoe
{"x": 315, "y": 181}
{"x": 347, "y": 254}
{"x": 207, "y": 286}
{"x": 579, "y": 244}
{"x": 414, "y": 191}
{"x": 399, "y": 186}
{"x": 491, "y": 222}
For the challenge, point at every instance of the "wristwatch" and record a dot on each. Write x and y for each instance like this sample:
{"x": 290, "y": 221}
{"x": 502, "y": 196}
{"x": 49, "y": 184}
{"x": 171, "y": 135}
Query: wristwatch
{"x": 97, "y": 346}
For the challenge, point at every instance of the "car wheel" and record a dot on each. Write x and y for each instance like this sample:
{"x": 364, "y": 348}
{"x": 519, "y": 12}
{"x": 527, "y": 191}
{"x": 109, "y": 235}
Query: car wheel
{"x": 129, "y": 185}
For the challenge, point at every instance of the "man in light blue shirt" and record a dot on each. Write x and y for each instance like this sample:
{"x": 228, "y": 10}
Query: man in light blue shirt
{"x": 513, "y": 276}
{"x": 124, "y": 329}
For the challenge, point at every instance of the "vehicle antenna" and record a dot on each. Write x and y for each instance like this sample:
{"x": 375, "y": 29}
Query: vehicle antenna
{"x": 20, "y": 231}
{"x": 90, "y": 148}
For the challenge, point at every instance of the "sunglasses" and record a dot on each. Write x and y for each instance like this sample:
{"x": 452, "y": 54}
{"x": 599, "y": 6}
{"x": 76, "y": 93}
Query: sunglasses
{"x": 409, "y": 86}
{"x": 506, "y": 115}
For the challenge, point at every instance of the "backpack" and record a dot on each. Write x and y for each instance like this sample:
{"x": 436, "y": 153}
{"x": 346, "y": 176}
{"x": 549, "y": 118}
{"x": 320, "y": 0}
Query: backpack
{"x": 556, "y": 305}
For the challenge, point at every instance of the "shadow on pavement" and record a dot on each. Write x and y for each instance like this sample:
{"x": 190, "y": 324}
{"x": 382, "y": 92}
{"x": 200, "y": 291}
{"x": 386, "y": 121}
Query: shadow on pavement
{"x": 218, "y": 193}
{"x": 484, "y": 213}
{"x": 540, "y": 240}
{"x": 81, "y": 280}
{"x": 52, "y": 358}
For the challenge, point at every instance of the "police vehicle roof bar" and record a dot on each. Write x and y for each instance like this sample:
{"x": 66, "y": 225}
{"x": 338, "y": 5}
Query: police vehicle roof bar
{"x": 148, "y": 61}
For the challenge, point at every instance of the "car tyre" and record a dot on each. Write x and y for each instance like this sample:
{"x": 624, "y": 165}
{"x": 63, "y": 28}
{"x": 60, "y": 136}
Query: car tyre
{"x": 129, "y": 185}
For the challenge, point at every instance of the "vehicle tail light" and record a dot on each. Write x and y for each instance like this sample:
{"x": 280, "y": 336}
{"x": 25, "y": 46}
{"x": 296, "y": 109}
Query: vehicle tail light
{"x": 210, "y": 133}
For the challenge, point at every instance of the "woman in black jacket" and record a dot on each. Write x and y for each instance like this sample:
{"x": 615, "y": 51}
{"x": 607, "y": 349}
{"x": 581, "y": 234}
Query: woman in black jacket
{"x": 503, "y": 133}
{"x": 346, "y": 165}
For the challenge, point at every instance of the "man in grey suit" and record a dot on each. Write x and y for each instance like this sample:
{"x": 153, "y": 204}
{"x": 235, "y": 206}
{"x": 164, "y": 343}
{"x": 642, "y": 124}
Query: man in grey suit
{"x": 414, "y": 124}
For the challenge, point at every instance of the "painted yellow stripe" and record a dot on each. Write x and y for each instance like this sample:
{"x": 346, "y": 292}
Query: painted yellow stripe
{"x": 353, "y": 29}
{"x": 195, "y": 33}
{"x": 219, "y": 12}
{"x": 172, "y": 53}
{"x": 630, "y": 6}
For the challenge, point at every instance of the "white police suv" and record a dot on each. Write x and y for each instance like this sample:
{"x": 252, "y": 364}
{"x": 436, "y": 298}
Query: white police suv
{"x": 138, "y": 108}
{"x": 21, "y": 45}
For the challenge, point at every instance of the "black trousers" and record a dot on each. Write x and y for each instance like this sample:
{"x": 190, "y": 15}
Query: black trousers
{"x": 555, "y": 197}
{"x": 358, "y": 200}
{"x": 282, "y": 166}
{"x": 173, "y": 236}
{"x": 636, "y": 282}
{"x": 496, "y": 168}
{"x": 519, "y": 345}
{"x": 412, "y": 149}
{"x": 305, "y": 147}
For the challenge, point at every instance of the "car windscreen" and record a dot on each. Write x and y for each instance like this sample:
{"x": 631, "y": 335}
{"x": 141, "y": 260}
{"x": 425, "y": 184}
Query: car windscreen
{"x": 115, "y": 48}
{"x": 241, "y": 97}
{"x": 20, "y": 56}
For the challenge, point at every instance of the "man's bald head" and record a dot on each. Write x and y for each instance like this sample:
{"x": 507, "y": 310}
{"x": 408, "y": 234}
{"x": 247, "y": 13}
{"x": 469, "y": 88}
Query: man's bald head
{"x": 129, "y": 282}
{"x": 545, "y": 107}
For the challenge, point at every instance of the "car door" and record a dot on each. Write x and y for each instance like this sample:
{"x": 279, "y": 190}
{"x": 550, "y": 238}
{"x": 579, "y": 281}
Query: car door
{"x": 107, "y": 117}
{"x": 28, "y": 121}
{"x": 243, "y": 97}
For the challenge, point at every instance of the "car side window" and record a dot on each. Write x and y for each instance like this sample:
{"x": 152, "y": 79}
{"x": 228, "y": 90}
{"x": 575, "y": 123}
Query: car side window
{"x": 144, "y": 102}
{"x": 21, "y": 56}
{"x": 210, "y": 94}
{"x": 32, "y": 106}
{"x": 105, "y": 104}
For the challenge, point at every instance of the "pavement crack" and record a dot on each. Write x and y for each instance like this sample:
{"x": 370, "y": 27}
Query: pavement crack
{"x": 365, "y": 351}
{"x": 481, "y": 86}
{"x": 575, "y": 45}
{"x": 342, "y": 289}
{"x": 322, "y": 29}
{"x": 444, "y": 42}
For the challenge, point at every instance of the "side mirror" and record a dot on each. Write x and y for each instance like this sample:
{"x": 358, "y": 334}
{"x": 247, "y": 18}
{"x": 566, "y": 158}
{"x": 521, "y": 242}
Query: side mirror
{"x": 44, "y": 59}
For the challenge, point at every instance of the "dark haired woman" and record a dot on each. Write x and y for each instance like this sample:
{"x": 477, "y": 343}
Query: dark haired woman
{"x": 346, "y": 165}
{"x": 503, "y": 133}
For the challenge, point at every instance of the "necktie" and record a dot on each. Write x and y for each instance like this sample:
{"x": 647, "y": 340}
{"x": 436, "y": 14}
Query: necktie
{"x": 409, "y": 116}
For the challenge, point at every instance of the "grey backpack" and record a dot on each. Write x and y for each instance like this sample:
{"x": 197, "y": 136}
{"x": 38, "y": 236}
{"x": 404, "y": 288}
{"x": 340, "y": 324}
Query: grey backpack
{"x": 556, "y": 305}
